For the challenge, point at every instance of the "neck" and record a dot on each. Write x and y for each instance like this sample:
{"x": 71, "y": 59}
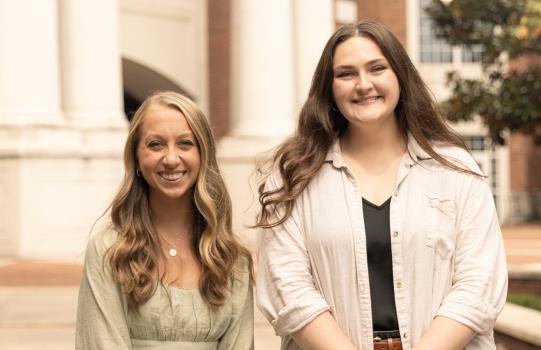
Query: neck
{"x": 373, "y": 142}
{"x": 172, "y": 218}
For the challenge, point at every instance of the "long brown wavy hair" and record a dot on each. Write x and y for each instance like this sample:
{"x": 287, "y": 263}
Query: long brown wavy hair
{"x": 134, "y": 255}
{"x": 301, "y": 156}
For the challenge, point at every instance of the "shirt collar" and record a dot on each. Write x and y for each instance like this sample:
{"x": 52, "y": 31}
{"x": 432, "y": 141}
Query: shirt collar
{"x": 415, "y": 152}
{"x": 414, "y": 155}
{"x": 334, "y": 155}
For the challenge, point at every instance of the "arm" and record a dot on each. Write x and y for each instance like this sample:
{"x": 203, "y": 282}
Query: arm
{"x": 240, "y": 333}
{"x": 322, "y": 333}
{"x": 101, "y": 322}
{"x": 479, "y": 282}
{"x": 286, "y": 294}
{"x": 440, "y": 329}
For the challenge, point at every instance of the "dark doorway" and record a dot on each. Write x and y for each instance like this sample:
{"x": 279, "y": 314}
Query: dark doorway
{"x": 139, "y": 81}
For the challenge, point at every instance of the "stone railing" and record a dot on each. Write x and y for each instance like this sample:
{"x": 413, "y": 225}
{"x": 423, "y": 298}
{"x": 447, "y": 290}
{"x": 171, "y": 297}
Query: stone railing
{"x": 518, "y": 328}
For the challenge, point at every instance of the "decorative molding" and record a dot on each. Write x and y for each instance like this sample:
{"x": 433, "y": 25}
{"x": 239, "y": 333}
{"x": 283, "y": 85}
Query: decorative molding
{"x": 61, "y": 143}
{"x": 167, "y": 9}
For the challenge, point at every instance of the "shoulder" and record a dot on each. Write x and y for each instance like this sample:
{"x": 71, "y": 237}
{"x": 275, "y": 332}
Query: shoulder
{"x": 99, "y": 243}
{"x": 241, "y": 277}
{"x": 96, "y": 267}
{"x": 452, "y": 183}
{"x": 458, "y": 156}
{"x": 241, "y": 272}
{"x": 273, "y": 180}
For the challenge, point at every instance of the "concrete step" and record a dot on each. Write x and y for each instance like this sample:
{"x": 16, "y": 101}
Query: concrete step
{"x": 43, "y": 318}
{"x": 37, "y": 307}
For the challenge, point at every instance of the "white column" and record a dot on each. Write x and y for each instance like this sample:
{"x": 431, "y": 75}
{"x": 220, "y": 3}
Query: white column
{"x": 29, "y": 104}
{"x": 262, "y": 98}
{"x": 29, "y": 66}
{"x": 263, "y": 77}
{"x": 91, "y": 63}
{"x": 314, "y": 25}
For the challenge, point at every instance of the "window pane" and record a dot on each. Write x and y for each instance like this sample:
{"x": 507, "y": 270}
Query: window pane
{"x": 472, "y": 53}
{"x": 432, "y": 50}
{"x": 475, "y": 143}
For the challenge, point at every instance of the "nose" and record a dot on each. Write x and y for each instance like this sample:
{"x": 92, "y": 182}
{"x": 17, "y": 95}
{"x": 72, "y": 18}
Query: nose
{"x": 171, "y": 157}
{"x": 363, "y": 82}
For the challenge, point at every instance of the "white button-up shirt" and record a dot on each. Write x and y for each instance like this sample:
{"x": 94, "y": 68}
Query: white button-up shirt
{"x": 447, "y": 252}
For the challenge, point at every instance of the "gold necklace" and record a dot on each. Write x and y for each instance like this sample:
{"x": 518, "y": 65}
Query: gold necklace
{"x": 173, "y": 249}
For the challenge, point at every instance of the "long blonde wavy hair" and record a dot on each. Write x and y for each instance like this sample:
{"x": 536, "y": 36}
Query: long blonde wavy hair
{"x": 134, "y": 255}
{"x": 299, "y": 158}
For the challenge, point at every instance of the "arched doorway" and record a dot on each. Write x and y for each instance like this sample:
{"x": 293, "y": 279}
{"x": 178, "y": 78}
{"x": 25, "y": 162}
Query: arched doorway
{"x": 139, "y": 81}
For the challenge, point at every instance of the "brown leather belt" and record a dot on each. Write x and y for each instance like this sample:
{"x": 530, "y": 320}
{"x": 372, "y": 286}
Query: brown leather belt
{"x": 387, "y": 344}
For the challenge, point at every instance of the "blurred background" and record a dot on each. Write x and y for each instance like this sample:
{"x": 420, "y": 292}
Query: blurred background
{"x": 72, "y": 72}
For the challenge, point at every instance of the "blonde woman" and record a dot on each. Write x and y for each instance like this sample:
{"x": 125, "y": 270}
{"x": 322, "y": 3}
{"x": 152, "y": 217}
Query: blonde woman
{"x": 167, "y": 272}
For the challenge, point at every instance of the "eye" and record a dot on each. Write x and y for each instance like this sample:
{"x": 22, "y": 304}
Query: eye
{"x": 378, "y": 68}
{"x": 186, "y": 143}
{"x": 154, "y": 144}
{"x": 345, "y": 74}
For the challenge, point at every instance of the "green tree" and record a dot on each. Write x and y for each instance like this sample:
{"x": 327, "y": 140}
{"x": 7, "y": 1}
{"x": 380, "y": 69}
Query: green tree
{"x": 508, "y": 96}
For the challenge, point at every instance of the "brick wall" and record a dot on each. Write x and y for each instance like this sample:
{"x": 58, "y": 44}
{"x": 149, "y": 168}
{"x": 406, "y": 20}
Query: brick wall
{"x": 219, "y": 23}
{"x": 525, "y": 163}
{"x": 520, "y": 64}
{"x": 390, "y": 13}
{"x": 525, "y": 157}
{"x": 525, "y": 285}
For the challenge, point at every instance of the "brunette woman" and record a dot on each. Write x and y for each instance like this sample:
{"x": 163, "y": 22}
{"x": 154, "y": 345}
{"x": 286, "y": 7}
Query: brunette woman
{"x": 377, "y": 228}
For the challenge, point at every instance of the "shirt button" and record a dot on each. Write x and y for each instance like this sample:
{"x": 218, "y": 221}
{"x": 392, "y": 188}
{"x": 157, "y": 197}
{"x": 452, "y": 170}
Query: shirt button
{"x": 405, "y": 335}
{"x": 398, "y": 284}
{"x": 395, "y": 193}
{"x": 395, "y": 233}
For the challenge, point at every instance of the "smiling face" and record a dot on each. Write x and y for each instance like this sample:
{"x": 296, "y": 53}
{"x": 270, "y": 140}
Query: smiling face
{"x": 168, "y": 154}
{"x": 365, "y": 88}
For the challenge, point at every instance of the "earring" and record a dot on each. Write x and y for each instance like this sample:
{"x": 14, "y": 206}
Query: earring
{"x": 138, "y": 172}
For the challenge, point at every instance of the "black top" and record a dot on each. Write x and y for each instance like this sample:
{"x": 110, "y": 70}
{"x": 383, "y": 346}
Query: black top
{"x": 380, "y": 268}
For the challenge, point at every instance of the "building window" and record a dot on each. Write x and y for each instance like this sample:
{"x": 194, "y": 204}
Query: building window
{"x": 475, "y": 143}
{"x": 484, "y": 151}
{"x": 494, "y": 172}
{"x": 433, "y": 50}
{"x": 472, "y": 54}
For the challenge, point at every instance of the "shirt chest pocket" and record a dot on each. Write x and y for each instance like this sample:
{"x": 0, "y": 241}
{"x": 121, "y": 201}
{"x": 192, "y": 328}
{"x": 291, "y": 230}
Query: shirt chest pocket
{"x": 439, "y": 246}
{"x": 440, "y": 220}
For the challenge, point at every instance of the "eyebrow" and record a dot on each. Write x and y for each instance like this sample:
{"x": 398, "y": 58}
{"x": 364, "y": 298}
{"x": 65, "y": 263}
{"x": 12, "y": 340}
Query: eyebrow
{"x": 349, "y": 66}
{"x": 182, "y": 134}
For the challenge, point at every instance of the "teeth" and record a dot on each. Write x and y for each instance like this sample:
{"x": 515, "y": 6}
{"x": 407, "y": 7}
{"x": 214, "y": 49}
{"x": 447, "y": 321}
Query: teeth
{"x": 369, "y": 99}
{"x": 173, "y": 176}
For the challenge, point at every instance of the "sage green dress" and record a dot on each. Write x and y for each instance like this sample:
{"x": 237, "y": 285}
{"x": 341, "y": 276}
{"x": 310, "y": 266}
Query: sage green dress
{"x": 173, "y": 318}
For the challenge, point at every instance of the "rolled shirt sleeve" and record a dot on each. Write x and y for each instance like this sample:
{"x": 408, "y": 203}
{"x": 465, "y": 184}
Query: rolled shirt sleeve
{"x": 285, "y": 289}
{"x": 479, "y": 284}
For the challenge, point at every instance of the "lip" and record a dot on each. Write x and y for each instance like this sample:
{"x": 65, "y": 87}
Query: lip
{"x": 366, "y": 100}
{"x": 172, "y": 176}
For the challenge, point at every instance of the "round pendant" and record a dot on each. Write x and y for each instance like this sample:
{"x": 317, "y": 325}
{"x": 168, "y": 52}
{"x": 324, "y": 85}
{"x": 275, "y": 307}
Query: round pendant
{"x": 173, "y": 252}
